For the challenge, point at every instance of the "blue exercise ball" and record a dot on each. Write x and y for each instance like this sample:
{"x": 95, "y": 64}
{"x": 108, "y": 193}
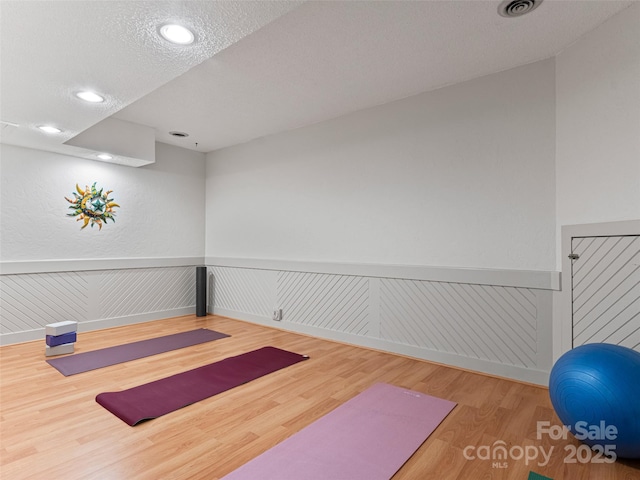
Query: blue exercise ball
{"x": 595, "y": 387}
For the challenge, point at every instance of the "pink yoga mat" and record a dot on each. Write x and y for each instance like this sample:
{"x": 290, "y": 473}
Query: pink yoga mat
{"x": 163, "y": 396}
{"x": 367, "y": 438}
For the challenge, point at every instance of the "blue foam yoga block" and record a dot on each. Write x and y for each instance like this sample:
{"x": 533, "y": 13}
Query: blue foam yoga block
{"x": 55, "y": 340}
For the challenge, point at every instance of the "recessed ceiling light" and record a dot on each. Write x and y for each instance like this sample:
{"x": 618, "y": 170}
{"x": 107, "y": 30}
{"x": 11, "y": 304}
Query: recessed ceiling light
{"x": 49, "y": 129}
{"x": 105, "y": 156}
{"x": 89, "y": 96}
{"x": 177, "y": 34}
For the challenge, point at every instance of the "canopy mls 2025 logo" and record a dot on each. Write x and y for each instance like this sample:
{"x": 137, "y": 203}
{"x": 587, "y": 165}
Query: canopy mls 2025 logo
{"x": 92, "y": 206}
{"x": 500, "y": 453}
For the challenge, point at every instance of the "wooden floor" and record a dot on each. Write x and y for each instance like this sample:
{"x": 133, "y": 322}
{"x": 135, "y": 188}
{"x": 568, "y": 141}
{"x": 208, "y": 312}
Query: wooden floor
{"x": 52, "y": 428}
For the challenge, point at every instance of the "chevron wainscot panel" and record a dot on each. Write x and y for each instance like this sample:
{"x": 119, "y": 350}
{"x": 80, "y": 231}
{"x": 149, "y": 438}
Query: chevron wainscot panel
{"x": 30, "y": 301}
{"x": 332, "y": 302}
{"x": 486, "y": 327}
{"x": 93, "y": 298}
{"x": 242, "y": 290}
{"x": 477, "y": 321}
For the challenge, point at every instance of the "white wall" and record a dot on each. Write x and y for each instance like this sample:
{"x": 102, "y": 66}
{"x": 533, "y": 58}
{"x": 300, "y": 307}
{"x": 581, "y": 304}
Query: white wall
{"x": 462, "y": 176}
{"x": 137, "y": 269}
{"x": 598, "y": 125}
{"x": 598, "y": 140}
{"x": 161, "y": 214}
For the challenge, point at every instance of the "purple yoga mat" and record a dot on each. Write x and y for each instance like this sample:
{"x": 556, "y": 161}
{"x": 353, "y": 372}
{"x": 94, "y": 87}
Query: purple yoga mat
{"x": 158, "y": 398}
{"x": 367, "y": 438}
{"x": 83, "y": 362}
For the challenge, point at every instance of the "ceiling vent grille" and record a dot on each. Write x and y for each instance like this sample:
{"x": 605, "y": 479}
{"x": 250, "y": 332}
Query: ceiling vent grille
{"x": 179, "y": 134}
{"x": 517, "y": 8}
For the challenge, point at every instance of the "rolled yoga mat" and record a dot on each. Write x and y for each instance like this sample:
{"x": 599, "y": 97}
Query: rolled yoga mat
{"x": 105, "y": 357}
{"x": 166, "y": 395}
{"x": 367, "y": 438}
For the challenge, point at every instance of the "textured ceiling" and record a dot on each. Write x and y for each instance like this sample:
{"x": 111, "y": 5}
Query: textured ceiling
{"x": 51, "y": 49}
{"x": 257, "y": 67}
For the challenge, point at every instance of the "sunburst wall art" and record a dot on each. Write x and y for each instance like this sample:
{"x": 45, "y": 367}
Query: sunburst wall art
{"x": 92, "y": 206}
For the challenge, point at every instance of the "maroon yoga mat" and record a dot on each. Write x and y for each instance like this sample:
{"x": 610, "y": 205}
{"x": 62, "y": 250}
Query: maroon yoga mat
{"x": 105, "y": 357}
{"x": 163, "y": 396}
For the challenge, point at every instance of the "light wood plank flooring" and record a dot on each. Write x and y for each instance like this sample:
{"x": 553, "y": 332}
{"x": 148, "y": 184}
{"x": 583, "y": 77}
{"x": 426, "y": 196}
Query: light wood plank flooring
{"x": 52, "y": 428}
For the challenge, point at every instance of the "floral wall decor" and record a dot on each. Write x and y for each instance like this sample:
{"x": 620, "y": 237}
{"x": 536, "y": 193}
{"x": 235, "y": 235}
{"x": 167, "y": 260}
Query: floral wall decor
{"x": 92, "y": 206}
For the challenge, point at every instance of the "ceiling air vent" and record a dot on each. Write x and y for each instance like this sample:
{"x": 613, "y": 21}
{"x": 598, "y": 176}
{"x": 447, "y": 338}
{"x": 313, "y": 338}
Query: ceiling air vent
{"x": 179, "y": 134}
{"x": 517, "y": 8}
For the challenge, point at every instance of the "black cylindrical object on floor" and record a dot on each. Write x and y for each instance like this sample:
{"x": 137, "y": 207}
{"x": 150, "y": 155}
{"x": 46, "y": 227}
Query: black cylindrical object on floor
{"x": 201, "y": 291}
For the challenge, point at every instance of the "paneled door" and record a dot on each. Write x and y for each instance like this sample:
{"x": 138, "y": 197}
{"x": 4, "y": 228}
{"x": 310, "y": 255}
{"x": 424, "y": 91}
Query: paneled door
{"x": 605, "y": 290}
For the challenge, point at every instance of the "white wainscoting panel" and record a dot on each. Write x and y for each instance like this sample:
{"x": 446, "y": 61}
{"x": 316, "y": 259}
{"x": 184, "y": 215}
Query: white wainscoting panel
{"x": 242, "y": 290}
{"x": 135, "y": 291}
{"x": 333, "y": 302}
{"x": 476, "y": 321}
{"x": 93, "y": 298}
{"x": 497, "y": 329}
{"x": 29, "y": 302}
